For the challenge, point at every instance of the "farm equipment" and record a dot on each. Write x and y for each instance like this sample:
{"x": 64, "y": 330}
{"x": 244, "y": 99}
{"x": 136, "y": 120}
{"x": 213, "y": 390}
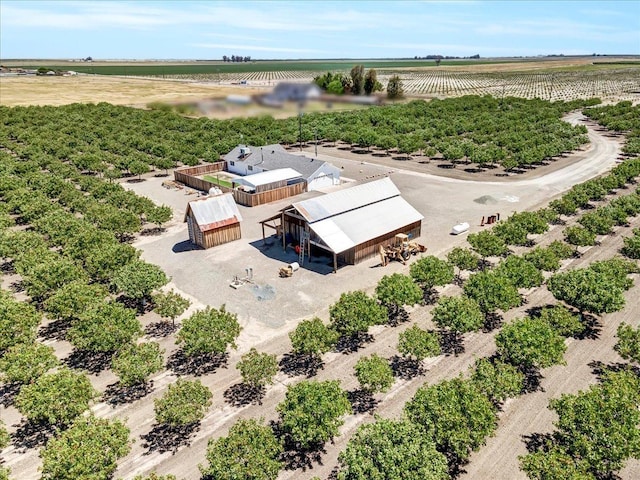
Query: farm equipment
{"x": 286, "y": 272}
{"x": 401, "y": 250}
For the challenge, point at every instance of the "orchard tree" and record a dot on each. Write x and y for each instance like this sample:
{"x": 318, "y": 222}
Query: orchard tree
{"x": 312, "y": 411}
{"x": 257, "y": 369}
{"x": 5, "y": 439}
{"x": 463, "y": 258}
{"x": 543, "y": 259}
{"x": 561, "y": 249}
{"x": 250, "y": 452}
{"x": 374, "y": 374}
{"x": 456, "y": 414}
{"x": 520, "y": 272}
{"x": 72, "y": 299}
{"x": 47, "y": 276}
{"x": 628, "y": 345}
{"x": 587, "y": 290}
{"x": 159, "y": 215}
{"x": 89, "y": 449}
{"x": 430, "y": 272}
{"x": 357, "y": 79}
{"x": 184, "y": 403}
{"x": 138, "y": 279}
{"x": 104, "y": 261}
{"x": 498, "y": 380}
{"x": 391, "y": 449}
{"x": 419, "y": 344}
{"x": 631, "y": 247}
{"x": 18, "y": 322}
{"x": 531, "y": 342}
{"x": 371, "y": 83}
{"x": 554, "y": 463}
{"x": 56, "y": 398}
{"x": 579, "y": 236}
{"x": 170, "y": 305}
{"x": 396, "y": 290}
{"x": 355, "y": 312}
{"x": 138, "y": 167}
{"x": 487, "y": 244}
{"x": 209, "y": 331}
{"x": 25, "y": 363}
{"x": 313, "y": 337}
{"x": 492, "y": 291}
{"x": 459, "y": 314}
{"x": 106, "y": 327}
{"x": 562, "y": 320}
{"x": 134, "y": 364}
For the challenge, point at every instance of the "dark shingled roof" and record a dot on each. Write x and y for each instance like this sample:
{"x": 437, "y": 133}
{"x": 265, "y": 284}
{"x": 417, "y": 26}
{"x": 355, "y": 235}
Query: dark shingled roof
{"x": 272, "y": 157}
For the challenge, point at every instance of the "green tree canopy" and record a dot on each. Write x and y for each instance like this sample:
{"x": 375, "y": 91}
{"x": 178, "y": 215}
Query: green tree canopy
{"x": 418, "y": 343}
{"x": 459, "y": 314}
{"x": 72, "y": 299}
{"x": 395, "y": 89}
{"x": 4, "y": 436}
{"x": 562, "y": 320}
{"x": 249, "y": 452}
{"x": 105, "y": 328}
{"x": 355, "y": 312}
{"x": 25, "y": 363}
{"x": 579, "y": 236}
{"x": 89, "y": 449}
{"x": 138, "y": 279}
{"x": 391, "y": 450}
{"x": 487, "y": 244}
{"x": 170, "y": 304}
{"x": 492, "y": 291}
{"x": 209, "y": 331}
{"x": 463, "y": 258}
{"x": 628, "y": 345}
{"x": 531, "y": 342}
{"x": 257, "y": 369}
{"x": 18, "y": 322}
{"x": 456, "y": 414}
{"x": 497, "y": 380}
{"x": 134, "y": 364}
{"x": 374, "y": 373}
{"x": 312, "y": 411}
{"x": 313, "y": 337}
{"x": 184, "y": 403}
{"x": 430, "y": 271}
{"x": 357, "y": 79}
{"x": 397, "y": 290}
{"x": 56, "y": 398}
{"x": 520, "y": 272}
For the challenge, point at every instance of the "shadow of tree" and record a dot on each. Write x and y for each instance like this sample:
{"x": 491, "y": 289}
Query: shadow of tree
{"x": 396, "y": 316}
{"x": 152, "y": 231}
{"x": 406, "y": 368}
{"x": 8, "y": 267}
{"x": 92, "y": 362}
{"x": 160, "y": 329}
{"x": 455, "y": 464}
{"x": 592, "y": 328}
{"x": 492, "y": 321}
{"x": 243, "y": 394}
{"x": 362, "y": 401}
{"x": 30, "y": 434}
{"x": 8, "y": 392}
{"x": 451, "y": 343}
{"x": 353, "y": 343}
{"x": 56, "y": 330}
{"x": 140, "y": 306}
{"x": 599, "y": 369}
{"x": 458, "y": 280}
{"x": 294, "y": 457}
{"x": 539, "y": 442}
{"x": 167, "y": 438}
{"x": 532, "y": 379}
{"x": 196, "y": 365}
{"x": 430, "y": 296}
{"x": 294, "y": 364}
{"x": 17, "y": 286}
{"x": 117, "y": 394}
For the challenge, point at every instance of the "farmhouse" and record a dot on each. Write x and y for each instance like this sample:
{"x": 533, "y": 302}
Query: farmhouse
{"x": 213, "y": 220}
{"x": 269, "y": 180}
{"x": 248, "y": 160}
{"x": 292, "y": 92}
{"x": 351, "y": 224}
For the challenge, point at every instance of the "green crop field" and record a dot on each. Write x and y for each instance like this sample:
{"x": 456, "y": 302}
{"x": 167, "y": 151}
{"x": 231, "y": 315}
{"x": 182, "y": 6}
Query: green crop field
{"x": 218, "y": 181}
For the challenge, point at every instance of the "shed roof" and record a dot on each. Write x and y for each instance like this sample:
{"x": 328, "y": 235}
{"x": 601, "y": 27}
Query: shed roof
{"x": 270, "y": 176}
{"x": 273, "y": 157}
{"x": 346, "y": 230}
{"x": 335, "y": 203}
{"x": 214, "y": 212}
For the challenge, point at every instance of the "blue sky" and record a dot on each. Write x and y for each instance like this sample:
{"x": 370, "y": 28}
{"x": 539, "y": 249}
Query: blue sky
{"x": 315, "y": 29}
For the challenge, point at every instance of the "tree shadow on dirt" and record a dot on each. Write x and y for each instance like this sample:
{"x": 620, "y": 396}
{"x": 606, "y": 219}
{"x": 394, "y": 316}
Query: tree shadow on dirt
{"x": 147, "y": 232}
{"x": 539, "y": 442}
{"x": 167, "y": 438}
{"x": 30, "y": 434}
{"x": 140, "y": 306}
{"x": 92, "y": 362}
{"x": 56, "y": 330}
{"x": 160, "y": 329}
{"x": 294, "y": 456}
{"x": 17, "y": 286}
{"x": 117, "y": 394}
{"x": 600, "y": 369}
{"x": 348, "y": 344}
{"x": 243, "y": 394}
{"x": 8, "y": 392}
{"x": 458, "y": 280}
{"x": 492, "y": 321}
{"x": 362, "y": 401}
{"x": 294, "y": 364}
{"x": 8, "y": 267}
{"x": 396, "y": 316}
{"x": 430, "y": 296}
{"x": 532, "y": 379}
{"x": 406, "y": 368}
{"x": 455, "y": 464}
{"x": 451, "y": 343}
{"x": 197, "y": 365}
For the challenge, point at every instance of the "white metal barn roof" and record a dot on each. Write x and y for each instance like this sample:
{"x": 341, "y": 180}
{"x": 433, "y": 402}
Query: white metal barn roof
{"x": 344, "y": 231}
{"x": 335, "y": 203}
{"x": 269, "y": 176}
{"x": 213, "y": 212}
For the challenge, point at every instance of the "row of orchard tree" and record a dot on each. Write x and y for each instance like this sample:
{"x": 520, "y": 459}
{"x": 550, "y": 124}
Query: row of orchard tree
{"x": 114, "y": 141}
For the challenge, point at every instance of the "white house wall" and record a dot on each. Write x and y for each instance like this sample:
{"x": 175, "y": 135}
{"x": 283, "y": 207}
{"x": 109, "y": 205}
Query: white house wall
{"x": 326, "y": 176}
{"x": 241, "y": 168}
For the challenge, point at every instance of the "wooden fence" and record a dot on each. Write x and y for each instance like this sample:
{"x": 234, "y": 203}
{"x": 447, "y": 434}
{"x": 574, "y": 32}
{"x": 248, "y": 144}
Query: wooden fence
{"x": 188, "y": 177}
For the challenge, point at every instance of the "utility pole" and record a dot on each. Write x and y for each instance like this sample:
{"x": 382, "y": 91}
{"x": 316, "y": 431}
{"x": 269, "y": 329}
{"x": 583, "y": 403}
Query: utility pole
{"x": 300, "y": 125}
{"x": 316, "y": 135}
